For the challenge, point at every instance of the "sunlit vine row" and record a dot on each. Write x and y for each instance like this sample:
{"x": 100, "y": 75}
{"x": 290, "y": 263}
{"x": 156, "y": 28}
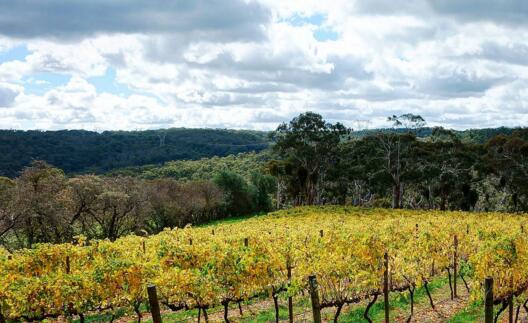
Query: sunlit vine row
{"x": 224, "y": 264}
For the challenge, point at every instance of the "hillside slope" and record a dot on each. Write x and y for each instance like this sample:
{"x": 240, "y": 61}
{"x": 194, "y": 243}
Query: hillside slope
{"x": 79, "y": 151}
{"x": 201, "y": 169}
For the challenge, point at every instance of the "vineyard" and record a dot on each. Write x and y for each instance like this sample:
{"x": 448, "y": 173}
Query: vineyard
{"x": 337, "y": 255}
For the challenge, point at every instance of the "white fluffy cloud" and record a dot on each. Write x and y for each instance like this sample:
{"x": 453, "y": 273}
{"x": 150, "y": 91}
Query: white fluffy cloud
{"x": 252, "y": 64}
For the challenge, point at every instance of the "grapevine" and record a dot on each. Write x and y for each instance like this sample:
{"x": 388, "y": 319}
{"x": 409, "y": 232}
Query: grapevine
{"x": 203, "y": 268}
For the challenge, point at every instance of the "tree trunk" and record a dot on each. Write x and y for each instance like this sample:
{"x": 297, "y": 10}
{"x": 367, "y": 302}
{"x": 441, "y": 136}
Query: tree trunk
{"x": 338, "y": 312}
{"x": 276, "y": 305}
{"x": 367, "y": 309}
{"x": 450, "y": 283}
{"x": 226, "y": 311}
{"x": 429, "y": 294}
{"x": 29, "y": 232}
{"x": 443, "y": 202}
{"x": 111, "y": 227}
{"x": 411, "y": 295}
{"x": 278, "y": 193}
{"x": 503, "y": 307}
{"x": 396, "y": 195}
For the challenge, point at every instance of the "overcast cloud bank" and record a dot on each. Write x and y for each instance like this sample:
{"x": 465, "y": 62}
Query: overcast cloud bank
{"x": 117, "y": 64}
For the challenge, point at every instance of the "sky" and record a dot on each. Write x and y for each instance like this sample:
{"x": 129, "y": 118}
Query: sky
{"x": 132, "y": 65}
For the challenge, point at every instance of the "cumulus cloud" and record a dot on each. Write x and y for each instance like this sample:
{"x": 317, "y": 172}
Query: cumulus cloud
{"x": 256, "y": 63}
{"x": 8, "y": 93}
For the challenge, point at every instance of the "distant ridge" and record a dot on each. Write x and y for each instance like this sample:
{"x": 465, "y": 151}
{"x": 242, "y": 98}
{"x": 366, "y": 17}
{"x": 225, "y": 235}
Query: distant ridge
{"x": 81, "y": 151}
{"x": 479, "y": 136}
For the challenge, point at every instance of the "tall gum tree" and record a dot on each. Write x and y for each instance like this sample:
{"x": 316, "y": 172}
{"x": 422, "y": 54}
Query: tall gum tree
{"x": 307, "y": 145}
{"x": 395, "y": 151}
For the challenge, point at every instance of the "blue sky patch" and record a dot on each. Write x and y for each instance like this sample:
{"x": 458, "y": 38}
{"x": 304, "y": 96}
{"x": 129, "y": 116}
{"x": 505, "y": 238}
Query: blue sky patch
{"x": 322, "y": 33}
{"x": 40, "y": 83}
{"x": 17, "y": 53}
{"x": 298, "y": 20}
{"x": 107, "y": 83}
{"x": 325, "y": 34}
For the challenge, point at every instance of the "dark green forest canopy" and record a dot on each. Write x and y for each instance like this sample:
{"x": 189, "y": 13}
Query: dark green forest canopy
{"x": 79, "y": 151}
{"x": 477, "y": 136}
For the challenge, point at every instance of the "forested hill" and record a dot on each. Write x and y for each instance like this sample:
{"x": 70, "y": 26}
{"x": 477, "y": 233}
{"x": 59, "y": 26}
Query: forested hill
{"x": 479, "y": 136}
{"x": 243, "y": 164}
{"x": 79, "y": 151}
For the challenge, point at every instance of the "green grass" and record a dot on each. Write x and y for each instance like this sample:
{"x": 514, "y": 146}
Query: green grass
{"x": 177, "y": 316}
{"x": 474, "y": 312}
{"x": 230, "y": 220}
{"x": 102, "y": 317}
{"x": 398, "y": 302}
{"x": 263, "y": 316}
{"x": 268, "y": 315}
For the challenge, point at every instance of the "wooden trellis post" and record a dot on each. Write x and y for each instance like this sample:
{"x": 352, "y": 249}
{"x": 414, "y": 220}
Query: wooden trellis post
{"x": 154, "y": 304}
{"x": 455, "y": 260}
{"x": 386, "y": 286}
{"x": 67, "y": 264}
{"x": 290, "y": 299}
{"x": 314, "y": 295}
{"x": 488, "y": 300}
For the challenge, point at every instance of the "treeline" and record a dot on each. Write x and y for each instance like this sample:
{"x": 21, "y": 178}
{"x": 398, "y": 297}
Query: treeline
{"x": 310, "y": 162}
{"x": 43, "y": 205}
{"x": 318, "y": 163}
{"x": 477, "y": 136}
{"x": 79, "y": 151}
{"x": 142, "y": 153}
{"x": 243, "y": 164}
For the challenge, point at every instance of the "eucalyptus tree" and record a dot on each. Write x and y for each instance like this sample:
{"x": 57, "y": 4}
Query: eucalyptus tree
{"x": 39, "y": 197}
{"x": 8, "y": 214}
{"x": 308, "y": 145}
{"x": 395, "y": 152}
{"x": 450, "y": 170}
{"x": 507, "y": 158}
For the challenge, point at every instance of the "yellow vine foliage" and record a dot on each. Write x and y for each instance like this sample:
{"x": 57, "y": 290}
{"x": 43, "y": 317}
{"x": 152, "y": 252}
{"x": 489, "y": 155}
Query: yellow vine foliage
{"x": 208, "y": 266}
